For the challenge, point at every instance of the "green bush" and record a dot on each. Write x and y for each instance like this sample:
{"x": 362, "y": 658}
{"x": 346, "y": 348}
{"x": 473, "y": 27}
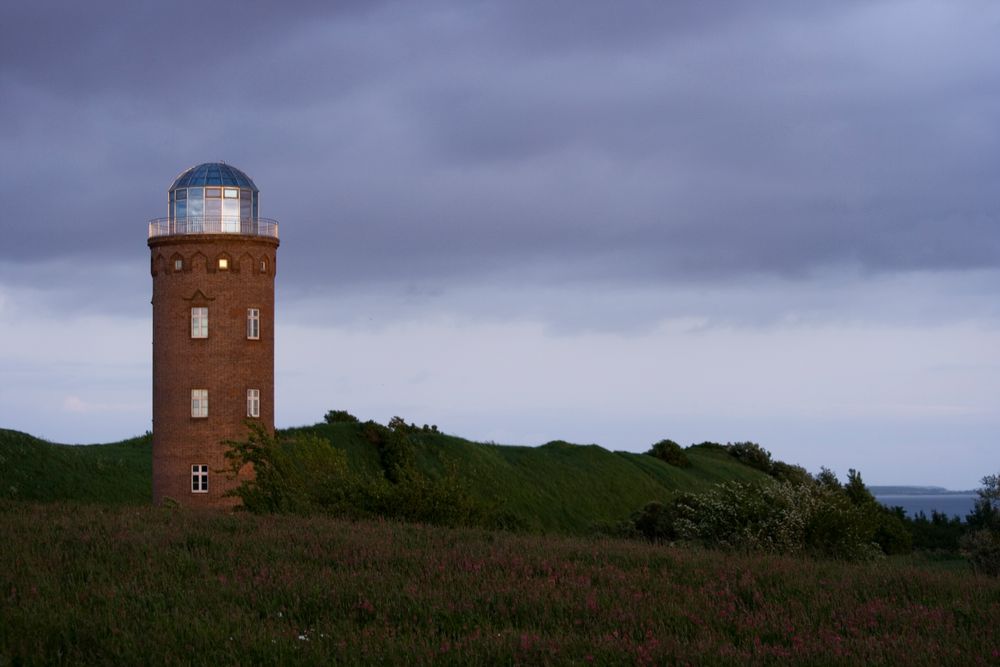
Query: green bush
{"x": 340, "y": 417}
{"x": 670, "y": 452}
{"x": 307, "y": 475}
{"x": 751, "y": 454}
{"x": 982, "y": 544}
{"x": 654, "y": 522}
{"x": 982, "y": 548}
{"x": 793, "y": 474}
{"x": 291, "y": 476}
{"x": 773, "y": 517}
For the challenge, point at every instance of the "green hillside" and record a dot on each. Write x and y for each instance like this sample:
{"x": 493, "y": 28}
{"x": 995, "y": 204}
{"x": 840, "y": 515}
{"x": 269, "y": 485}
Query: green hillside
{"x": 558, "y": 486}
{"x": 33, "y": 469}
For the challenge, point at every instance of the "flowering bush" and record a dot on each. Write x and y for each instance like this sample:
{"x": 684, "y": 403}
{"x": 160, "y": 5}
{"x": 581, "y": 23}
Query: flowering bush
{"x": 772, "y": 517}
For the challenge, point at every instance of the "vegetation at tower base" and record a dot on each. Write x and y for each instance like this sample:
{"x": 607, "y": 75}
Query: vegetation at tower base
{"x": 305, "y": 474}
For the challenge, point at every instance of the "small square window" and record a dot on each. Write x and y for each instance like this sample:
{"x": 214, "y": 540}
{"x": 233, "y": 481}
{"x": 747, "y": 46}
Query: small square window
{"x": 253, "y": 323}
{"x": 199, "y": 323}
{"x": 223, "y": 264}
{"x": 178, "y": 265}
{"x": 199, "y": 403}
{"x": 253, "y": 402}
{"x": 199, "y": 478}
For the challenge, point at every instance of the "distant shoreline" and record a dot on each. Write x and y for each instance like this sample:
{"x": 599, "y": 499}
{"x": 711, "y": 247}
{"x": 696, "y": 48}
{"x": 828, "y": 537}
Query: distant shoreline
{"x": 917, "y": 491}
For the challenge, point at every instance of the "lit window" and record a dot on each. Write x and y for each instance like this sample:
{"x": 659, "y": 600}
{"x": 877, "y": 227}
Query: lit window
{"x": 263, "y": 266}
{"x": 223, "y": 263}
{"x": 199, "y": 403}
{"x": 231, "y": 193}
{"x": 253, "y": 323}
{"x": 178, "y": 264}
{"x": 199, "y": 323}
{"x": 253, "y": 402}
{"x": 199, "y": 478}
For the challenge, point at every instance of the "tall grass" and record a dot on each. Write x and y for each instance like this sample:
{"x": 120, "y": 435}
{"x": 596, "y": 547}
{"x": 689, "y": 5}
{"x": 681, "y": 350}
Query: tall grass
{"x": 134, "y": 585}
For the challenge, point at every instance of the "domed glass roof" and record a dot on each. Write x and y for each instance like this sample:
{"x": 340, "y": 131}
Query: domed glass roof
{"x": 213, "y": 173}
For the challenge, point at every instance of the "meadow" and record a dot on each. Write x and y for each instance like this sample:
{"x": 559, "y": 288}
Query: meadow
{"x": 102, "y": 584}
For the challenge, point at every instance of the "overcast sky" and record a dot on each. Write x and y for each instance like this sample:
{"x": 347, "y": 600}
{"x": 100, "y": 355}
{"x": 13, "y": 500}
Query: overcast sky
{"x": 523, "y": 221}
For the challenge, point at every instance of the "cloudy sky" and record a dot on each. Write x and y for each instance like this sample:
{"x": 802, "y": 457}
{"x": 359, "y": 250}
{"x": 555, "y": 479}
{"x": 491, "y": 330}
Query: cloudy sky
{"x": 522, "y": 221}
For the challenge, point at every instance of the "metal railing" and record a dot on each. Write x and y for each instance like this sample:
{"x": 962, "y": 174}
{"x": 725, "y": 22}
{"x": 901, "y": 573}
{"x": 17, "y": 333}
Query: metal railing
{"x": 213, "y": 225}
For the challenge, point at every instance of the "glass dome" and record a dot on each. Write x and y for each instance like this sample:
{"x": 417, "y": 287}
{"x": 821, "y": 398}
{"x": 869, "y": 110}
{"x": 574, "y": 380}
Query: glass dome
{"x": 213, "y": 197}
{"x": 213, "y": 173}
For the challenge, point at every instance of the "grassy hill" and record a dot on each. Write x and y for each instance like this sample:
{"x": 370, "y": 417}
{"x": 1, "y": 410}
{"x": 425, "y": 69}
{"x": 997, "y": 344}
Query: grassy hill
{"x": 558, "y": 486}
{"x": 33, "y": 469}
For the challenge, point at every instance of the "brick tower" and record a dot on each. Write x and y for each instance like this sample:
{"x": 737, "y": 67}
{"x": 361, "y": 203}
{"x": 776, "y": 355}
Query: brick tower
{"x": 213, "y": 262}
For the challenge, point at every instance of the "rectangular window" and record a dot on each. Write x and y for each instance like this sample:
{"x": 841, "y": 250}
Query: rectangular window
{"x": 199, "y": 403}
{"x": 196, "y": 210}
{"x": 253, "y": 402}
{"x": 231, "y": 215}
{"x": 178, "y": 265}
{"x": 199, "y": 323}
{"x": 231, "y": 193}
{"x": 253, "y": 323}
{"x": 199, "y": 478}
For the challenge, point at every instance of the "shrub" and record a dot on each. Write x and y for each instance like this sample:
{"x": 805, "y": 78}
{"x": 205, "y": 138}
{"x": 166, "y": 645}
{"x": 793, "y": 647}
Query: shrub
{"x": 793, "y": 474}
{"x": 982, "y": 545}
{"x": 339, "y": 417}
{"x": 769, "y": 517}
{"x": 654, "y": 522}
{"x": 670, "y": 452}
{"x": 290, "y": 476}
{"x": 982, "y": 548}
{"x": 752, "y": 454}
{"x": 308, "y": 475}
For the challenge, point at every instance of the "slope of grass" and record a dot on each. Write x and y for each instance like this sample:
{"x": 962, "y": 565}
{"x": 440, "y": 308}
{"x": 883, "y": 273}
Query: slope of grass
{"x": 558, "y": 486}
{"x": 32, "y": 469}
{"x": 87, "y": 584}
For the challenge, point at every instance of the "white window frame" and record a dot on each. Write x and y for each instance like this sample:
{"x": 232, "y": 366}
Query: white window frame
{"x": 199, "y": 322}
{"x": 178, "y": 265}
{"x": 253, "y": 323}
{"x": 199, "y": 478}
{"x": 199, "y": 403}
{"x": 253, "y": 403}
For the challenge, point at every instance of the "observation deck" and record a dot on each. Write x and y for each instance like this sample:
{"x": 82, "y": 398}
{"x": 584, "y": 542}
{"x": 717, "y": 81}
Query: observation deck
{"x": 190, "y": 225}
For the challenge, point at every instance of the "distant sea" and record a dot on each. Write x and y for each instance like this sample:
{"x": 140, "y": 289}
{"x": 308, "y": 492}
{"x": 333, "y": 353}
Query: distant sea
{"x": 952, "y": 504}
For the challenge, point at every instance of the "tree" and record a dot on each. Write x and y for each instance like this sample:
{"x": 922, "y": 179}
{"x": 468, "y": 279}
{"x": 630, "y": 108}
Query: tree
{"x": 670, "y": 452}
{"x": 856, "y": 489}
{"x": 982, "y": 544}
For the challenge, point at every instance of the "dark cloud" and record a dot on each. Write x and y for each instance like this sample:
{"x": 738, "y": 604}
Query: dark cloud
{"x": 459, "y": 141}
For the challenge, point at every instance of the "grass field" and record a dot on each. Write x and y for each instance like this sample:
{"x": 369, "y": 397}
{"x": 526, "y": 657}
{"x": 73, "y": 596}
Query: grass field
{"x": 555, "y": 487}
{"x": 99, "y": 584}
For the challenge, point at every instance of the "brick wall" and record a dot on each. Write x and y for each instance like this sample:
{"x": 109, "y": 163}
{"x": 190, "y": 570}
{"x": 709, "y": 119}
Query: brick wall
{"x": 225, "y": 363}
